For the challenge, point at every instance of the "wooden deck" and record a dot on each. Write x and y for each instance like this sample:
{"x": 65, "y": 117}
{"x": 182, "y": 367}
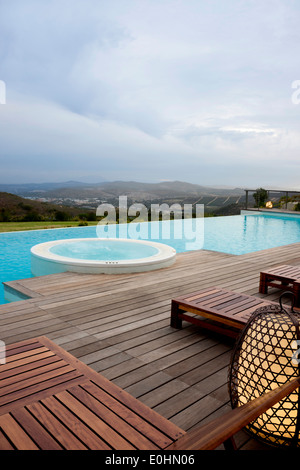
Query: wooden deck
{"x": 119, "y": 325}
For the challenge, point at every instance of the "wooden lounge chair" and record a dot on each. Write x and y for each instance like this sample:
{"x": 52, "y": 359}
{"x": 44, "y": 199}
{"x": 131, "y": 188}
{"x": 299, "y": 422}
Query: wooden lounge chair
{"x": 216, "y": 309}
{"x": 49, "y": 400}
{"x": 283, "y": 277}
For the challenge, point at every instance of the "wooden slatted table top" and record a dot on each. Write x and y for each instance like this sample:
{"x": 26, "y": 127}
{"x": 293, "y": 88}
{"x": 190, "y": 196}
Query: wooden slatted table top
{"x": 50, "y": 400}
{"x": 223, "y": 305}
{"x": 287, "y": 272}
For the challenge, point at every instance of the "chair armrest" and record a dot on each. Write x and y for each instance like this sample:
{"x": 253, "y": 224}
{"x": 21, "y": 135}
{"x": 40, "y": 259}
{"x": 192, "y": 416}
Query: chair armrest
{"x": 219, "y": 430}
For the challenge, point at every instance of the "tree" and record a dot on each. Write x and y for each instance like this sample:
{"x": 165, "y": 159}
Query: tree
{"x": 260, "y": 197}
{"x": 90, "y": 216}
{"x": 62, "y": 216}
{"x": 32, "y": 216}
{"x": 5, "y": 215}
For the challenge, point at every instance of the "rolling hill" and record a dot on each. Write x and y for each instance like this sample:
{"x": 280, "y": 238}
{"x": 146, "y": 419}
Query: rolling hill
{"x": 16, "y": 208}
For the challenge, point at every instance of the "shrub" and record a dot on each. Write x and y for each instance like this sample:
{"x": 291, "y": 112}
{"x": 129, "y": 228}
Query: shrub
{"x": 297, "y": 207}
{"x": 5, "y": 215}
{"x": 32, "y": 216}
{"x": 62, "y": 216}
{"x": 91, "y": 216}
{"x": 25, "y": 207}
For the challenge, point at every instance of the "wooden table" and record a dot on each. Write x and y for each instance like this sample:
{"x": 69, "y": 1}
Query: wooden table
{"x": 282, "y": 277}
{"x": 49, "y": 400}
{"x": 222, "y": 311}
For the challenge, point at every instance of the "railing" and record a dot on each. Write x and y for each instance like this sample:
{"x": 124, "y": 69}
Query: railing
{"x": 222, "y": 429}
{"x": 270, "y": 191}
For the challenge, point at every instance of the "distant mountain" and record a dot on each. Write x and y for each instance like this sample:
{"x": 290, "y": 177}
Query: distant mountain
{"x": 90, "y": 195}
{"x": 174, "y": 186}
{"x": 115, "y": 188}
{"x": 26, "y": 188}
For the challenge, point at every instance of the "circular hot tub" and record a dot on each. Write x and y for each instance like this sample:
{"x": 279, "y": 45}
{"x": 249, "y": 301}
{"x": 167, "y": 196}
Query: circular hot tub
{"x": 100, "y": 255}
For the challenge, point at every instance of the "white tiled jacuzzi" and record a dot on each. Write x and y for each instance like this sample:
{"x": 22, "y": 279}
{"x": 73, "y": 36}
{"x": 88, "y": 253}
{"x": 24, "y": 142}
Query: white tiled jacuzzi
{"x": 100, "y": 255}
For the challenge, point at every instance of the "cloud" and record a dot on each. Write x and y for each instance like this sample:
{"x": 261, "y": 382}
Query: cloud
{"x": 137, "y": 88}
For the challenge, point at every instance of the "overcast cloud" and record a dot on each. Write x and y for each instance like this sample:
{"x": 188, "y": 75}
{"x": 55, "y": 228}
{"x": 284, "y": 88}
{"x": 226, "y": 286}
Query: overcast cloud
{"x": 150, "y": 90}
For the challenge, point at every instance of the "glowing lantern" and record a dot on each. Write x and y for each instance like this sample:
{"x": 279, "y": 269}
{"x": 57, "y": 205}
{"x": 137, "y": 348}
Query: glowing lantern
{"x": 263, "y": 359}
{"x": 269, "y": 205}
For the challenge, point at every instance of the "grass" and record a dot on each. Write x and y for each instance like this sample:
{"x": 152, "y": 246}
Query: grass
{"x": 19, "y": 226}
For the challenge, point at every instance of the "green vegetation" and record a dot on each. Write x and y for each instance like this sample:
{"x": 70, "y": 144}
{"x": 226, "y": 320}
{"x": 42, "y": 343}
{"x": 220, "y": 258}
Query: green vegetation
{"x": 297, "y": 207}
{"x": 19, "y": 226}
{"x": 295, "y": 200}
{"x": 17, "y": 213}
{"x": 260, "y": 196}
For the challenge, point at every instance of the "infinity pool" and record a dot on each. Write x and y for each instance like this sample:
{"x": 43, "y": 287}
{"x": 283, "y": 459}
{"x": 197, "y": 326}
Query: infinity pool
{"x": 233, "y": 234}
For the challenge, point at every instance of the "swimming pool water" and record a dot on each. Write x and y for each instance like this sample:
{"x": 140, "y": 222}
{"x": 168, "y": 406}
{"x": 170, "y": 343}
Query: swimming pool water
{"x": 233, "y": 234}
{"x": 110, "y": 251}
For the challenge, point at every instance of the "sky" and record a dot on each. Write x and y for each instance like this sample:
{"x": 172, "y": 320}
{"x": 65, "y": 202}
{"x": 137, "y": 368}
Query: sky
{"x": 202, "y": 91}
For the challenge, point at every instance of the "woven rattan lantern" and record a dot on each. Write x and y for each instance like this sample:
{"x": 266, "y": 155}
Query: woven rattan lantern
{"x": 264, "y": 358}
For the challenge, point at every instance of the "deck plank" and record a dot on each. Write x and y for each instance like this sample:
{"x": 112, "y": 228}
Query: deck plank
{"x": 119, "y": 325}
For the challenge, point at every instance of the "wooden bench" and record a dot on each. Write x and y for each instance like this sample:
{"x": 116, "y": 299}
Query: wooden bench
{"x": 51, "y": 401}
{"x": 216, "y": 309}
{"x": 283, "y": 277}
